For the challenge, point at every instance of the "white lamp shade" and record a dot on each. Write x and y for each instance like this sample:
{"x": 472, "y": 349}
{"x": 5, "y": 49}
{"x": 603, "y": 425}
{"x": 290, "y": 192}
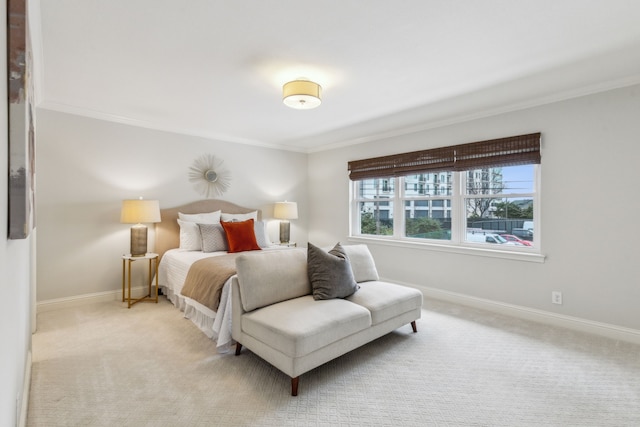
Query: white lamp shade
{"x": 285, "y": 210}
{"x": 140, "y": 211}
{"x": 301, "y": 94}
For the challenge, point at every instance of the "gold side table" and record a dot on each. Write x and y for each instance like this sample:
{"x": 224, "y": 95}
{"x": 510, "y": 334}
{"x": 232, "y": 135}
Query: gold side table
{"x": 127, "y": 260}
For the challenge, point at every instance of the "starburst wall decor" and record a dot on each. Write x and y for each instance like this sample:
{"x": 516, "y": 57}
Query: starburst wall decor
{"x": 208, "y": 176}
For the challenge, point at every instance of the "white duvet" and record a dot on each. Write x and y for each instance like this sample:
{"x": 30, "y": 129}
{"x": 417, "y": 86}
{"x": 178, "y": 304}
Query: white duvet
{"x": 172, "y": 273}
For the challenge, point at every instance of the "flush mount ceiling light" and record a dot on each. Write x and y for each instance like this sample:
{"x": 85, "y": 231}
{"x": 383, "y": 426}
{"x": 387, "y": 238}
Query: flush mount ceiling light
{"x": 301, "y": 94}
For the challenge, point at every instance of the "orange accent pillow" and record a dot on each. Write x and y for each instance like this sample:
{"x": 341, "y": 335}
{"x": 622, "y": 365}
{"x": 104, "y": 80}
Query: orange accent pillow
{"x": 240, "y": 236}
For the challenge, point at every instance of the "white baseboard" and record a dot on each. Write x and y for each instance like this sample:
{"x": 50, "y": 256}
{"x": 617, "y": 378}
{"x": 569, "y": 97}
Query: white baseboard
{"x": 535, "y": 315}
{"x": 26, "y": 387}
{"x": 60, "y": 303}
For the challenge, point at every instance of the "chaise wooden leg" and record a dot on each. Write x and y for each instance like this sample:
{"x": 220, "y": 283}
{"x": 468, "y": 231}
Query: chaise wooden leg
{"x": 238, "y": 348}
{"x": 413, "y": 325}
{"x": 294, "y": 386}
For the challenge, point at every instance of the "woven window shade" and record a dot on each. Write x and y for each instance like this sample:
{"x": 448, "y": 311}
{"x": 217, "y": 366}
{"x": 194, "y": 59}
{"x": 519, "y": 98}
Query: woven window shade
{"x": 437, "y": 159}
{"x": 511, "y": 151}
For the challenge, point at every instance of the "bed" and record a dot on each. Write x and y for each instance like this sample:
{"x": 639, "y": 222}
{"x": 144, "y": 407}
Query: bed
{"x": 176, "y": 264}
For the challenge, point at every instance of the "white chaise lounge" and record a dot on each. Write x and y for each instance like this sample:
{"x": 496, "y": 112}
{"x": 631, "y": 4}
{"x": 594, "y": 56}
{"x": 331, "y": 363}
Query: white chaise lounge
{"x": 276, "y": 316}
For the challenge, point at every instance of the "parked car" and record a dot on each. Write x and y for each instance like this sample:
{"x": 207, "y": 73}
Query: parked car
{"x": 512, "y": 238}
{"x": 482, "y": 237}
{"x": 522, "y": 233}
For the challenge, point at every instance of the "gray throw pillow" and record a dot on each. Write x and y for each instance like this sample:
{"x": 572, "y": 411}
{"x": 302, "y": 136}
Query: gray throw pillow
{"x": 330, "y": 273}
{"x": 213, "y": 238}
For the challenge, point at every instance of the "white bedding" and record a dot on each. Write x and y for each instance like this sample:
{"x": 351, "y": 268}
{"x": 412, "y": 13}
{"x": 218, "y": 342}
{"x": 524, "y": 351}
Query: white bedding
{"x": 172, "y": 273}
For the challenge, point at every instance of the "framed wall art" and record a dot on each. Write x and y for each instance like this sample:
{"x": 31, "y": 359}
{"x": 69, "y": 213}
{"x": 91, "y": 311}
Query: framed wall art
{"x": 21, "y": 123}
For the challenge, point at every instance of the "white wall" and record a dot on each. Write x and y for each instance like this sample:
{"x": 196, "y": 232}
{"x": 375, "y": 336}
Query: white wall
{"x": 590, "y": 208}
{"x": 86, "y": 167}
{"x": 15, "y": 267}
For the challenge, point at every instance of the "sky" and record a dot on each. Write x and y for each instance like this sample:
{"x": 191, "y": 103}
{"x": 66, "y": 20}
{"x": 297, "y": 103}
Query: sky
{"x": 519, "y": 179}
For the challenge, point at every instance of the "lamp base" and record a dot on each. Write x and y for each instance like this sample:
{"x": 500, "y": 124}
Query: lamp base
{"x": 284, "y": 232}
{"x": 139, "y": 240}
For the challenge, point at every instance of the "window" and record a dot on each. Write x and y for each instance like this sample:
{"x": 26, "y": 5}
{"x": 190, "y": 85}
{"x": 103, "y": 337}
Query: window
{"x": 485, "y": 197}
{"x": 374, "y": 204}
{"x": 500, "y": 202}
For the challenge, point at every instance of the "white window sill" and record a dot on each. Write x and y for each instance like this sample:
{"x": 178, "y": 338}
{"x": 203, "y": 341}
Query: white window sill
{"x": 475, "y": 250}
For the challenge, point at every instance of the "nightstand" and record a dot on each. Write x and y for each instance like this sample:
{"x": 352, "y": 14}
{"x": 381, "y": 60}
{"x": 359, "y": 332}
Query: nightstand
{"x": 288, "y": 245}
{"x": 127, "y": 260}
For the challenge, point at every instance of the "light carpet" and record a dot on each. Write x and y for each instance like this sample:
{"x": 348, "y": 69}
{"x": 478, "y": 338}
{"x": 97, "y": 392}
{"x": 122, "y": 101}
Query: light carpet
{"x": 106, "y": 365}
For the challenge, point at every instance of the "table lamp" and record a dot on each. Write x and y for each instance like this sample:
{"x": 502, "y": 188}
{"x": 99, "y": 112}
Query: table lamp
{"x": 137, "y": 212}
{"x": 285, "y": 211}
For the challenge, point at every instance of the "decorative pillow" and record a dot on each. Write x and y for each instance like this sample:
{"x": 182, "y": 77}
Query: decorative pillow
{"x": 260, "y": 229}
{"x": 190, "y": 238}
{"x": 240, "y": 236}
{"x": 227, "y": 217}
{"x": 213, "y": 237}
{"x": 330, "y": 273}
{"x": 362, "y": 263}
{"x": 201, "y": 218}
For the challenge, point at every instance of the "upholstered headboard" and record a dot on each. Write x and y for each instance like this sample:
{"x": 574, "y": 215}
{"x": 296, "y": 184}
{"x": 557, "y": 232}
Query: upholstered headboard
{"x": 168, "y": 230}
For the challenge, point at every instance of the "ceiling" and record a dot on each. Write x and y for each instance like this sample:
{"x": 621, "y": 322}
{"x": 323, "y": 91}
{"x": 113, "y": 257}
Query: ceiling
{"x": 215, "y": 68}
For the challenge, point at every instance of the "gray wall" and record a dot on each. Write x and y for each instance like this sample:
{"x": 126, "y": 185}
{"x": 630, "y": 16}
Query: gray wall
{"x": 590, "y": 154}
{"x": 86, "y": 167}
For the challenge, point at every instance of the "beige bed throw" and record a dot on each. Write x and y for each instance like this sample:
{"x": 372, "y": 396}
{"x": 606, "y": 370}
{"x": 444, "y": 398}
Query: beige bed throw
{"x": 207, "y": 277}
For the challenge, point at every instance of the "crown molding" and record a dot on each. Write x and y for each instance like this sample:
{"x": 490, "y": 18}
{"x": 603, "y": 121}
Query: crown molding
{"x": 480, "y": 114}
{"x": 346, "y": 142}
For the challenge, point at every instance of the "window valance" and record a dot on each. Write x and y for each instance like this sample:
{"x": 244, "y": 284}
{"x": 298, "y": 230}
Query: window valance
{"x": 511, "y": 151}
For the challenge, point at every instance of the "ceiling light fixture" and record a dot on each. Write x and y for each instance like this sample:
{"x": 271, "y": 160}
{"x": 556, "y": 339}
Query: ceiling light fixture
{"x": 301, "y": 94}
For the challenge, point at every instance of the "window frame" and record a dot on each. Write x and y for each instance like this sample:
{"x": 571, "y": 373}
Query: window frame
{"x": 458, "y": 243}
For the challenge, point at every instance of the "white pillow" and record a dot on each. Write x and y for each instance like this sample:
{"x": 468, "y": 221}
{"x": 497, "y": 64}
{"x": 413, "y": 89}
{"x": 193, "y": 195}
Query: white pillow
{"x": 362, "y": 263}
{"x": 227, "y": 217}
{"x": 260, "y": 230}
{"x": 202, "y": 218}
{"x": 190, "y": 238}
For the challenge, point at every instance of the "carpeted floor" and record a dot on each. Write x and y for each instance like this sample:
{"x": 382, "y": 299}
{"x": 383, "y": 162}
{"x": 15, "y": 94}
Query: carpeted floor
{"x": 105, "y": 365}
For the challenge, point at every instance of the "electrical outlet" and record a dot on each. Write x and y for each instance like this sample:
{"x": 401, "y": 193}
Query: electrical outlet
{"x": 556, "y": 297}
